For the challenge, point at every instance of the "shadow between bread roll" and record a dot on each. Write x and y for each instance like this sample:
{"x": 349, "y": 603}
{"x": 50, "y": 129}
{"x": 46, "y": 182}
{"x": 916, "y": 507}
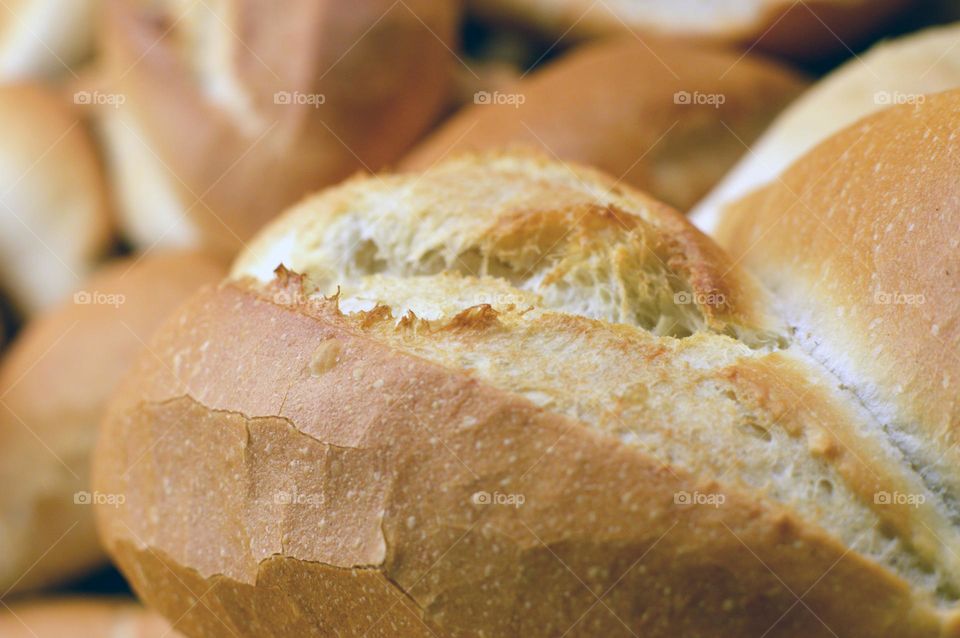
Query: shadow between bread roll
{"x": 218, "y": 115}
{"x": 55, "y": 380}
{"x": 667, "y": 117}
{"x": 82, "y": 618}
{"x": 54, "y": 216}
{"x": 899, "y": 71}
{"x": 507, "y": 396}
{"x": 809, "y": 31}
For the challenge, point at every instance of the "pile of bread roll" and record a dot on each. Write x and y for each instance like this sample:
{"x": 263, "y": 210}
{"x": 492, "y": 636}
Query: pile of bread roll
{"x": 480, "y": 318}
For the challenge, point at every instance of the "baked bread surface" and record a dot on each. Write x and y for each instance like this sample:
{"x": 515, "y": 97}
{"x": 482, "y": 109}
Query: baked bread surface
{"x": 897, "y": 71}
{"x": 509, "y": 396}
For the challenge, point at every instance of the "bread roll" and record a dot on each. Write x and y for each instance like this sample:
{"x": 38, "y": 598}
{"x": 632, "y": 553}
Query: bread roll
{"x": 508, "y": 397}
{"x": 809, "y": 30}
{"x": 860, "y": 241}
{"x": 54, "y": 383}
{"x": 899, "y": 71}
{"x": 82, "y": 618}
{"x": 672, "y": 125}
{"x": 45, "y": 38}
{"x": 226, "y": 112}
{"x": 496, "y": 59}
{"x": 53, "y": 201}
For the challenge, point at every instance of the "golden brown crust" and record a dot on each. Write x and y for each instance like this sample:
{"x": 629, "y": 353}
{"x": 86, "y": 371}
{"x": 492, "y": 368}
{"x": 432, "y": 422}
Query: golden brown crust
{"x": 232, "y": 117}
{"x": 859, "y": 241}
{"x": 584, "y": 108}
{"x": 321, "y": 491}
{"x": 489, "y": 421}
{"x": 82, "y": 618}
{"x": 896, "y": 71}
{"x": 54, "y": 383}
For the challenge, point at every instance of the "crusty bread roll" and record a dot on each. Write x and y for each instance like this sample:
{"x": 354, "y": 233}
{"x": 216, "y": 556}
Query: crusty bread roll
{"x": 54, "y": 383}
{"x": 82, "y": 618}
{"x": 808, "y": 30}
{"x": 860, "y": 241}
{"x": 45, "y": 38}
{"x": 509, "y": 397}
{"x": 226, "y": 112}
{"x": 53, "y": 199}
{"x": 894, "y": 72}
{"x": 672, "y": 126}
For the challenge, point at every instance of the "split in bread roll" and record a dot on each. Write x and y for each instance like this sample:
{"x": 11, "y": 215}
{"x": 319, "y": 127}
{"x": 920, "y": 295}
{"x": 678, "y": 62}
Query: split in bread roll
{"x": 860, "y": 242}
{"x": 82, "y": 618}
{"x": 900, "y": 71}
{"x": 54, "y": 383}
{"x": 53, "y": 198}
{"x": 809, "y": 30}
{"x": 226, "y": 112}
{"x": 45, "y": 38}
{"x": 509, "y": 397}
{"x": 666, "y": 117}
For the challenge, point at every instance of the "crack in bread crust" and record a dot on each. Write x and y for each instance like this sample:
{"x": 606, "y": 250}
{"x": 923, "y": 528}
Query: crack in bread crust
{"x": 767, "y": 421}
{"x": 542, "y": 236}
{"x": 432, "y": 437}
{"x": 544, "y": 389}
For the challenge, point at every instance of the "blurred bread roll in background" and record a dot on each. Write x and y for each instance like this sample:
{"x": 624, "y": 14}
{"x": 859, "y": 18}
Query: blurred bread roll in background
{"x": 55, "y": 380}
{"x": 495, "y": 60}
{"x": 808, "y": 30}
{"x": 82, "y": 618}
{"x": 480, "y": 76}
{"x": 219, "y": 114}
{"x": 54, "y": 217}
{"x": 894, "y": 72}
{"x": 45, "y": 38}
{"x": 667, "y": 118}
